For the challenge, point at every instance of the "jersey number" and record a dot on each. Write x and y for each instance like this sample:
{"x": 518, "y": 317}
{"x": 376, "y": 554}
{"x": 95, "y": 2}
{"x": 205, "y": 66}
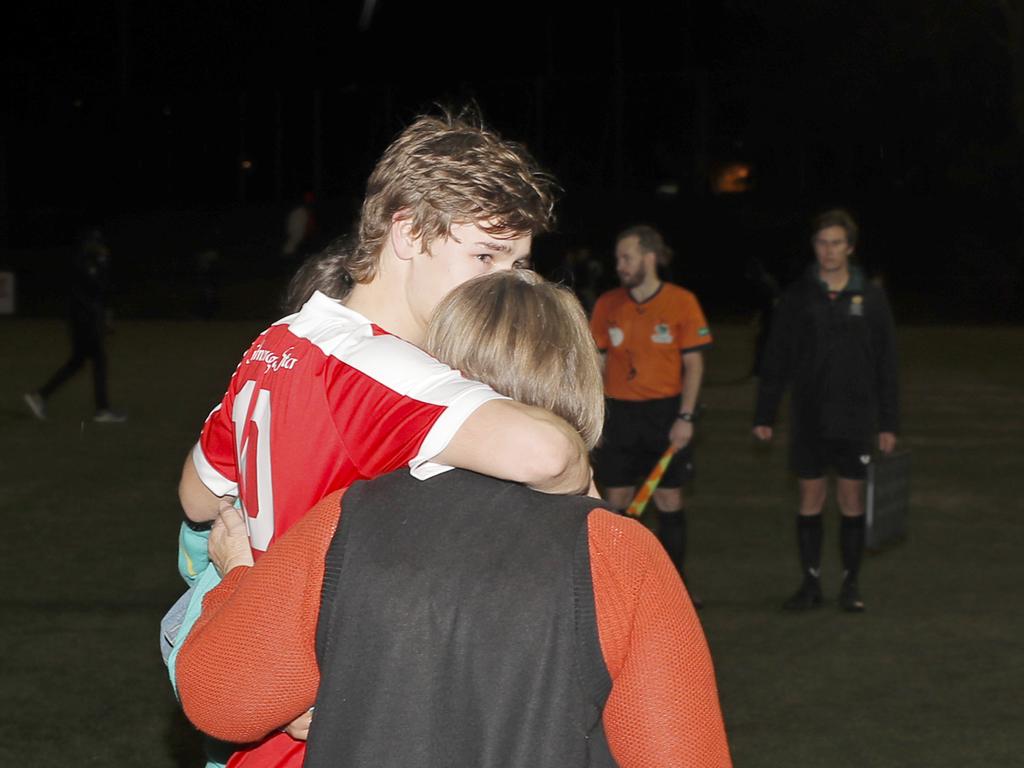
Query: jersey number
{"x": 255, "y": 486}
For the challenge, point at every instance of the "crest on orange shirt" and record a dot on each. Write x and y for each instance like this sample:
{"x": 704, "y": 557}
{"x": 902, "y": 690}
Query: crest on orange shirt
{"x": 662, "y": 334}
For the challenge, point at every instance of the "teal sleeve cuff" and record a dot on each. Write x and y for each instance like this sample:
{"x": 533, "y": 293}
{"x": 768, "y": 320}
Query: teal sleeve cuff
{"x": 192, "y": 554}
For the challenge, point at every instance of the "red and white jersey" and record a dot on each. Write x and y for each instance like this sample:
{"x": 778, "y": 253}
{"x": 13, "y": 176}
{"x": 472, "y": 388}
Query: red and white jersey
{"x": 321, "y": 399}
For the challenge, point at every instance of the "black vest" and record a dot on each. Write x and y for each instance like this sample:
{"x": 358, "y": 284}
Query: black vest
{"x": 457, "y": 628}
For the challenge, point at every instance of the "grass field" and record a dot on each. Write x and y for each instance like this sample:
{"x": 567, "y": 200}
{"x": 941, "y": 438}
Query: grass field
{"x": 929, "y": 676}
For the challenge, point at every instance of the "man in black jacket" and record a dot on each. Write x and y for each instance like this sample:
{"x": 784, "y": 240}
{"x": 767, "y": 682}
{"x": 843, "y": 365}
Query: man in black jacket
{"x": 833, "y": 338}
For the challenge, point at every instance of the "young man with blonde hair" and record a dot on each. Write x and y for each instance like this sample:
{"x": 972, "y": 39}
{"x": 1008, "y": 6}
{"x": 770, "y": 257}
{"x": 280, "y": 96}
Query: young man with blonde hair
{"x": 833, "y": 338}
{"x": 340, "y": 391}
{"x": 447, "y": 201}
{"x": 464, "y": 620}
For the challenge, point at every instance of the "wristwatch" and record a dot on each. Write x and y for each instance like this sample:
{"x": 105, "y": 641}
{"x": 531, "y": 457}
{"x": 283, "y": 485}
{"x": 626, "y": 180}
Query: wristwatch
{"x": 687, "y": 416}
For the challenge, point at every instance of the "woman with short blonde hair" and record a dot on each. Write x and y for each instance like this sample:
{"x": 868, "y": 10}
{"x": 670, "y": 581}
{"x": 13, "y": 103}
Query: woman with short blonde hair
{"x": 529, "y": 340}
{"x": 462, "y": 619}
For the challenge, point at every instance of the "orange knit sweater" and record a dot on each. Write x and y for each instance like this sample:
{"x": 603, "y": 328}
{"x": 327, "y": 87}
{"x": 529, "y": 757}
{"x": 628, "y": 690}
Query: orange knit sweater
{"x": 249, "y": 665}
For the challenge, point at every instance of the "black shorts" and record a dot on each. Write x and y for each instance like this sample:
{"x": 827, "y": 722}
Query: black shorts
{"x": 812, "y": 455}
{"x": 634, "y": 438}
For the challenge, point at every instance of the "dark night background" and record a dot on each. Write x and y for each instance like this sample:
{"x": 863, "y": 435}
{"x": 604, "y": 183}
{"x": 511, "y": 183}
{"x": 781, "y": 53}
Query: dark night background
{"x": 139, "y": 116}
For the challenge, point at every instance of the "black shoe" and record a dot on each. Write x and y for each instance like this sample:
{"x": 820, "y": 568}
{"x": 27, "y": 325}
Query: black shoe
{"x": 805, "y": 598}
{"x": 849, "y": 597}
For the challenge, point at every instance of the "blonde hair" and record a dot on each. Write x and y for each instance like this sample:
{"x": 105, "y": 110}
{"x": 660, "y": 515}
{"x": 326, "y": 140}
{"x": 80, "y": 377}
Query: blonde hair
{"x": 451, "y": 170}
{"x": 526, "y": 338}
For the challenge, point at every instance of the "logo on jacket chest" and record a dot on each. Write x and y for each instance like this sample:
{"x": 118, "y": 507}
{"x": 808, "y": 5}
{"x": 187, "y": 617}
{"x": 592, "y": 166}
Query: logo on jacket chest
{"x": 857, "y": 306}
{"x": 662, "y": 334}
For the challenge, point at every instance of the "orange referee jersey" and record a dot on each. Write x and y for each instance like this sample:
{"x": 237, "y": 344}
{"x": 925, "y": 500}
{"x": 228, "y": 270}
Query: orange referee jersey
{"x": 644, "y": 341}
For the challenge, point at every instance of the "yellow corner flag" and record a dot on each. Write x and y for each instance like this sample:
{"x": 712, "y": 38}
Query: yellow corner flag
{"x": 636, "y": 507}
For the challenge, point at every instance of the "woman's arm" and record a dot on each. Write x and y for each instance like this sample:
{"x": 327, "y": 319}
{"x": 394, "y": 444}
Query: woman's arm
{"x": 663, "y": 708}
{"x": 249, "y": 665}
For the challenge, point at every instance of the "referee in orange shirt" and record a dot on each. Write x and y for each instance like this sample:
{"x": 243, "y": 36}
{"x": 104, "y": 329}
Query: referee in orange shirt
{"x": 652, "y": 335}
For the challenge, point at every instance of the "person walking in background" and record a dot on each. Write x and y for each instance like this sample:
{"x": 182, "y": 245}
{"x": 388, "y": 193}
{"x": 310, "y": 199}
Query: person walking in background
{"x": 87, "y": 324}
{"x": 652, "y": 336}
{"x": 833, "y": 338}
{"x": 300, "y": 226}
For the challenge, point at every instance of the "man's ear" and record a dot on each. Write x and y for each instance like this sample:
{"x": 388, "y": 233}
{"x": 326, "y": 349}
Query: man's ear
{"x": 402, "y": 240}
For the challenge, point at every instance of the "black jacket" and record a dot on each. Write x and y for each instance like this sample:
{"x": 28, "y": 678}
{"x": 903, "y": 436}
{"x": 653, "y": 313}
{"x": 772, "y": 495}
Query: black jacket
{"x": 88, "y": 282}
{"x": 840, "y": 355}
{"x": 458, "y": 629}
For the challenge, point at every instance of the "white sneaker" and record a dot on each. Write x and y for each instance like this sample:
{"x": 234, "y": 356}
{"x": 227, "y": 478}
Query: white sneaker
{"x": 36, "y": 404}
{"x": 108, "y": 416}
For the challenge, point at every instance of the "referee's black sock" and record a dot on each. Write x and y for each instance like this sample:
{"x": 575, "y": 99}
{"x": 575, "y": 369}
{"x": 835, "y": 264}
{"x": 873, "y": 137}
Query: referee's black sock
{"x": 809, "y": 532}
{"x": 851, "y": 545}
{"x": 672, "y": 535}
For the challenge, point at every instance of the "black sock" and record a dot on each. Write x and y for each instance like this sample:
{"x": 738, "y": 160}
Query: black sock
{"x": 851, "y": 545}
{"x": 809, "y": 531}
{"x": 672, "y": 535}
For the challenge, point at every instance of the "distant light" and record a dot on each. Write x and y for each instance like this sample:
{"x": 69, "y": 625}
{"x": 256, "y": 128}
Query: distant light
{"x": 247, "y": 165}
{"x": 167, "y": 110}
{"x": 668, "y": 189}
{"x": 77, "y": 103}
{"x": 732, "y": 178}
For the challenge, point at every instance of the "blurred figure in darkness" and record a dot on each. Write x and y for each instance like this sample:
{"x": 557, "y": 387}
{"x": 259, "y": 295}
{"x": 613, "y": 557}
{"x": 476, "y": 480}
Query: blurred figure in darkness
{"x": 208, "y": 274}
{"x": 766, "y": 296}
{"x": 87, "y": 324}
{"x": 582, "y": 272}
{"x": 299, "y": 228}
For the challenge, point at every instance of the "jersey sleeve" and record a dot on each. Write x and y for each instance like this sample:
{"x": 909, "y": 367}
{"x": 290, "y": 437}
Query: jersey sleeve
{"x": 664, "y": 707}
{"x": 599, "y": 325}
{"x": 394, "y": 405}
{"x": 695, "y": 334}
{"x": 214, "y": 453}
{"x": 249, "y": 664}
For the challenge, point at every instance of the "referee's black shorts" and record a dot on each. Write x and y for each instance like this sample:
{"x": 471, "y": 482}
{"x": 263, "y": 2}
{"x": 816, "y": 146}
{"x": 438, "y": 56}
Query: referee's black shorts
{"x": 634, "y": 438}
{"x": 811, "y": 455}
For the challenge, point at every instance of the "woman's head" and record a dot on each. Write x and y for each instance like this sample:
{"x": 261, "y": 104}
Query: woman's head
{"x": 526, "y": 338}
